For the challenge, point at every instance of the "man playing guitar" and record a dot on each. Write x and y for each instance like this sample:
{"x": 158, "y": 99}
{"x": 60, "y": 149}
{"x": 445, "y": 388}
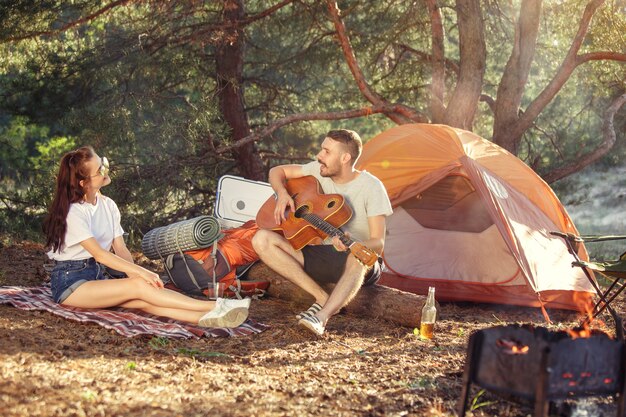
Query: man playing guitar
{"x": 328, "y": 263}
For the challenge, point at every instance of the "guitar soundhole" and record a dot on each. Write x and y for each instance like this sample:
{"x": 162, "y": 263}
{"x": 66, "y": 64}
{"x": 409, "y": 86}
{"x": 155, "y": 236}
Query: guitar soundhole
{"x": 301, "y": 211}
{"x": 331, "y": 203}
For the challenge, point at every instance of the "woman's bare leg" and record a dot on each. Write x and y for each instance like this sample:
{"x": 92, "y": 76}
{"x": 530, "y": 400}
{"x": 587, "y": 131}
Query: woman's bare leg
{"x": 115, "y": 292}
{"x": 136, "y": 293}
{"x": 189, "y": 316}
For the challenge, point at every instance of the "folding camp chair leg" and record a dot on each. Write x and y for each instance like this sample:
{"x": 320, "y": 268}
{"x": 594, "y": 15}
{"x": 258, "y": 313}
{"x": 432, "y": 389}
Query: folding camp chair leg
{"x": 603, "y": 297}
{"x": 619, "y": 326}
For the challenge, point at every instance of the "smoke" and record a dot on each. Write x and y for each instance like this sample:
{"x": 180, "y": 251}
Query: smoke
{"x": 587, "y": 407}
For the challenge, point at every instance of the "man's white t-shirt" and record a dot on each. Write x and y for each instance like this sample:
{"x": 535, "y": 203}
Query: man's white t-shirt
{"x": 84, "y": 220}
{"x": 365, "y": 194}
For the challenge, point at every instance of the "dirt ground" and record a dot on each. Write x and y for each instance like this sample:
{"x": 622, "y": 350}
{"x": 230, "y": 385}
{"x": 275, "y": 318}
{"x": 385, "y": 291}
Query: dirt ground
{"x": 50, "y": 366}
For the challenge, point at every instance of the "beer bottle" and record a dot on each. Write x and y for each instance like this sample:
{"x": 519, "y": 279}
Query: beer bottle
{"x": 429, "y": 316}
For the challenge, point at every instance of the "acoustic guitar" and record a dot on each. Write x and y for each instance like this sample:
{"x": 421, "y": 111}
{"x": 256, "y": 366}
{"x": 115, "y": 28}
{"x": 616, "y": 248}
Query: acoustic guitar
{"x": 317, "y": 216}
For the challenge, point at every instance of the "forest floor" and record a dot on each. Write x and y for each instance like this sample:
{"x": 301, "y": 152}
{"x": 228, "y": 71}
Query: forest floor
{"x": 50, "y": 366}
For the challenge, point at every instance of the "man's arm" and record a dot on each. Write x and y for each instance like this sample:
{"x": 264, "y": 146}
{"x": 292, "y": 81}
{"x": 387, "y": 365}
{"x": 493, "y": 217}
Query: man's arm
{"x": 376, "y": 241}
{"x": 377, "y": 226}
{"x": 278, "y": 176}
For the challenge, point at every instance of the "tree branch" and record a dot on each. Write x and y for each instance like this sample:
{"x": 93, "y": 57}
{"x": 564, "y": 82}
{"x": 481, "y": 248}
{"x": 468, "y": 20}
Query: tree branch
{"x": 452, "y": 65}
{"x": 348, "y": 52}
{"x": 562, "y": 75}
{"x": 491, "y": 102}
{"x": 69, "y": 25}
{"x": 609, "y": 138}
{"x": 346, "y": 114}
{"x": 401, "y": 114}
{"x": 600, "y": 56}
{"x": 264, "y": 13}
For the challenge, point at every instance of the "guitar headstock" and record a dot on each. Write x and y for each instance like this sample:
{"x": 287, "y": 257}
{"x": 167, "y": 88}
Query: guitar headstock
{"x": 364, "y": 254}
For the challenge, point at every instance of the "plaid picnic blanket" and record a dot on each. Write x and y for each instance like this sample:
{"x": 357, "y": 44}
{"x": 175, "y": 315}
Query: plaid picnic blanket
{"x": 126, "y": 322}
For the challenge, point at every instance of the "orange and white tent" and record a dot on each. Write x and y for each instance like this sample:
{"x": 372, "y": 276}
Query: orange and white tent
{"x": 472, "y": 220}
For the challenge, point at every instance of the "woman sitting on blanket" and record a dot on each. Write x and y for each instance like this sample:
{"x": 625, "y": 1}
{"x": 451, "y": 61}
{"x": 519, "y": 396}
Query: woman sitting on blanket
{"x": 81, "y": 228}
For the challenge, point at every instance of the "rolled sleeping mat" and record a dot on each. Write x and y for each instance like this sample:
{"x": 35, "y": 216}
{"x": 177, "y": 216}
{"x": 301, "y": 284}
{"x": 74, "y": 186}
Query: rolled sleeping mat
{"x": 197, "y": 233}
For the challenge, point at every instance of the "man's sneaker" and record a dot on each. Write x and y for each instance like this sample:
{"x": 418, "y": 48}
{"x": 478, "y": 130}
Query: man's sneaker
{"x": 310, "y": 312}
{"x": 226, "y": 313}
{"x": 313, "y": 324}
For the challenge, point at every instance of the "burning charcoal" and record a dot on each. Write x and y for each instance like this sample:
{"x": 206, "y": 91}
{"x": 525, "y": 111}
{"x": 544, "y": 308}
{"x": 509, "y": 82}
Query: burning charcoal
{"x": 512, "y": 346}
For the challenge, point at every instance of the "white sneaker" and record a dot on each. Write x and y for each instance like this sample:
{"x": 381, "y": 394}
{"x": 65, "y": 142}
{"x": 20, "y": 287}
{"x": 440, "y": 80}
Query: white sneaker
{"x": 234, "y": 303}
{"x": 226, "y": 313}
{"x": 313, "y": 324}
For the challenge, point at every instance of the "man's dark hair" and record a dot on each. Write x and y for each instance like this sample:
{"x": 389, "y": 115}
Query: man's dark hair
{"x": 349, "y": 138}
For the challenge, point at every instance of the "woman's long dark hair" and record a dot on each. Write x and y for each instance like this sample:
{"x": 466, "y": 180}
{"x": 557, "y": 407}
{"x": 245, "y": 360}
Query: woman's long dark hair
{"x": 68, "y": 191}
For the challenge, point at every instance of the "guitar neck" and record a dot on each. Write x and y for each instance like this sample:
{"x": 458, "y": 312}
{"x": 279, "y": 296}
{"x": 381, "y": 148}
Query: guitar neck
{"x": 327, "y": 228}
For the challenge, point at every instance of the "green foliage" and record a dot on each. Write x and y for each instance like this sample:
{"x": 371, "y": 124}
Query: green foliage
{"x": 29, "y": 163}
{"x": 422, "y": 384}
{"x": 20, "y": 225}
{"x": 138, "y": 83}
{"x": 18, "y": 140}
{"x": 195, "y": 353}
{"x": 158, "y": 343}
{"x": 89, "y": 395}
{"x": 477, "y": 401}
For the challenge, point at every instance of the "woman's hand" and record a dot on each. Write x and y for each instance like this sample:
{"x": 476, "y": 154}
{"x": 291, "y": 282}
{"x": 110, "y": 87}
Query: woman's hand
{"x": 149, "y": 277}
{"x": 116, "y": 262}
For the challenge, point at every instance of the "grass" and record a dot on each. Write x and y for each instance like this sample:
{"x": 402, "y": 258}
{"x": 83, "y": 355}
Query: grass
{"x": 477, "y": 402}
{"x": 595, "y": 200}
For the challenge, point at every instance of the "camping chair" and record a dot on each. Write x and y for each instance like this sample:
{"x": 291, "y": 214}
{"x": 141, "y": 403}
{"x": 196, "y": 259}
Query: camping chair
{"x": 613, "y": 271}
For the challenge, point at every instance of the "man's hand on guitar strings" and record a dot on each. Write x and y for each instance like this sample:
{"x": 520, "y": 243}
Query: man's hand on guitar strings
{"x": 338, "y": 244}
{"x": 283, "y": 200}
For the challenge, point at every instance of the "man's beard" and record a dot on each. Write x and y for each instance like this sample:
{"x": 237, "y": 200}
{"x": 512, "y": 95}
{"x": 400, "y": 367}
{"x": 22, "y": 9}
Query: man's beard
{"x": 329, "y": 173}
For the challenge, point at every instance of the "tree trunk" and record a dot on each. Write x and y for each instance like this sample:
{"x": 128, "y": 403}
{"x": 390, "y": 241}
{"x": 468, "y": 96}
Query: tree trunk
{"x": 376, "y": 301}
{"x": 513, "y": 131}
{"x": 513, "y": 82}
{"x": 464, "y": 102}
{"x": 437, "y": 87}
{"x": 229, "y": 56}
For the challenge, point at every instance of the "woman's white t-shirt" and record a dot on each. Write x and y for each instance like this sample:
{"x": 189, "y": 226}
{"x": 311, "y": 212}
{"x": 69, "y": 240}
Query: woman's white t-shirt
{"x": 84, "y": 220}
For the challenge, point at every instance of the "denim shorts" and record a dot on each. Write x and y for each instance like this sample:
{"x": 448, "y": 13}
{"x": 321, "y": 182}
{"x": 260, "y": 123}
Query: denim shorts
{"x": 69, "y": 275}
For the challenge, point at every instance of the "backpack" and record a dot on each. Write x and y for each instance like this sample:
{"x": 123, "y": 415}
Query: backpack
{"x": 192, "y": 271}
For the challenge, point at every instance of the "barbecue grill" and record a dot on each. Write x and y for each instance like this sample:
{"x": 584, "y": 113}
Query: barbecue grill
{"x": 536, "y": 364}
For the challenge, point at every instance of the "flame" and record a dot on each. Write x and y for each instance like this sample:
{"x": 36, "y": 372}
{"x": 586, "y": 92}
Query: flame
{"x": 585, "y": 306}
{"x": 584, "y": 303}
{"x": 519, "y": 350}
{"x": 583, "y": 333}
{"x": 512, "y": 347}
